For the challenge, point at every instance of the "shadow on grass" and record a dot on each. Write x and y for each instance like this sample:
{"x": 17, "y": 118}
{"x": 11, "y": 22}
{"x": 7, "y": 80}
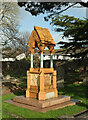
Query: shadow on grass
{"x": 83, "y": 104}
{"x": 76, "y": 91}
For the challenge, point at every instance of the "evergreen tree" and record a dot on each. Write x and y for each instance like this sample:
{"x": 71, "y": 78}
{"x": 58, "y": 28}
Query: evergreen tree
{"x": 77, "y": 32}
{"x": 51, "y": 8}
{"x": 71, "y": 27}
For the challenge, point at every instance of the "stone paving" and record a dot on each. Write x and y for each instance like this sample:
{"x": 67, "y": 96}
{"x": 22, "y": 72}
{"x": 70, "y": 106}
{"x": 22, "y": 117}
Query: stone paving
{"x": 83, "y": 115}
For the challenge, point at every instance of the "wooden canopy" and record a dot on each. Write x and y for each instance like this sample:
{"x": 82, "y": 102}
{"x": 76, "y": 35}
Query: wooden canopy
{"x": 41, "y": 38}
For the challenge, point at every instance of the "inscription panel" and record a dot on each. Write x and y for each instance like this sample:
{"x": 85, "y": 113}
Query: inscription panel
{"x": 34, "y": 79}
{"x": 48, "y": 79}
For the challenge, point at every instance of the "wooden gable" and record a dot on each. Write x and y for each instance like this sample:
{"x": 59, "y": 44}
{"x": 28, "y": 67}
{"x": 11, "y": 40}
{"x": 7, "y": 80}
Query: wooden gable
{"x": 41, "y": 38}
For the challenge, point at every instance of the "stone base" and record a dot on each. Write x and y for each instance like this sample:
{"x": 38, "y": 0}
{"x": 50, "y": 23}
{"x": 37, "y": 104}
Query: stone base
{"x": 43, "y": 105}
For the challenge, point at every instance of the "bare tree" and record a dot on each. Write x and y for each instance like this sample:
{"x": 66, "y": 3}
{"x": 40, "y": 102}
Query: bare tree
{"x": 20, "y": 46}
{"x": 22, "y": 42}
{"x": 9, "y": 22}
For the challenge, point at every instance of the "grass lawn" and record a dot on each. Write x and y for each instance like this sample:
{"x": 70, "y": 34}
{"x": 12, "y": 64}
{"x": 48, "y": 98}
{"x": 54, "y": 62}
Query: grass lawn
{"x": 73, "y": 90}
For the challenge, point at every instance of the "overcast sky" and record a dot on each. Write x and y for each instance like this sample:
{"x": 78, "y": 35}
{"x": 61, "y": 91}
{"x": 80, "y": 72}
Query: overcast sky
{"x": 27, "y": 21}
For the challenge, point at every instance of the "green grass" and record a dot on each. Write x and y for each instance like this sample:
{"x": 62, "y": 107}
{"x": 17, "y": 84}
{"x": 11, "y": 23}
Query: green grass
{"x": 75, "y": 91}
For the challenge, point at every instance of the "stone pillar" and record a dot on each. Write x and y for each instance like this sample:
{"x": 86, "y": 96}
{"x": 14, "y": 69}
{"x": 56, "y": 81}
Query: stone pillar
{"x": 54, "y": 84}
{"x": 31, "y": 60}
{"x": 28, "y": 85}
{"x": 42, "y": 95}
{"x": 41, "y": 60}
{"x": 51, "y": 60}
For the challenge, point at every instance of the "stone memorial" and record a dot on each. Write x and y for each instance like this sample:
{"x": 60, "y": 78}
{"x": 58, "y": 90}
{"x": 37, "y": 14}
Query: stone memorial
{"x": 41, "y": 82}
{"x": 41, "y": 92}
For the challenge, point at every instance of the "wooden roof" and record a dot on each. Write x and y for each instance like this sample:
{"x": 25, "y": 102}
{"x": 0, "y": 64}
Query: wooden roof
{"x": 44, "y": 35}
{"x": 41, "y": 38}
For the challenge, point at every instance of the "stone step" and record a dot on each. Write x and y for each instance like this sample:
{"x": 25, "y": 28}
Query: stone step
{"x": 40, "y": 103}
{"x": 43, "y": 110}
{"x": 61, "y": 105}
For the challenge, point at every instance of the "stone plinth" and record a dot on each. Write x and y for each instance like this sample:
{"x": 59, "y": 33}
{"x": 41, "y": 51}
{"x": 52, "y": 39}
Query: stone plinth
{"x": 42, "y": 105}
{"x": 41, "y": 83}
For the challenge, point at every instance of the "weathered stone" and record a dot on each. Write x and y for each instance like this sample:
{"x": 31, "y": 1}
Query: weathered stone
{"x": 41, "y": 105}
